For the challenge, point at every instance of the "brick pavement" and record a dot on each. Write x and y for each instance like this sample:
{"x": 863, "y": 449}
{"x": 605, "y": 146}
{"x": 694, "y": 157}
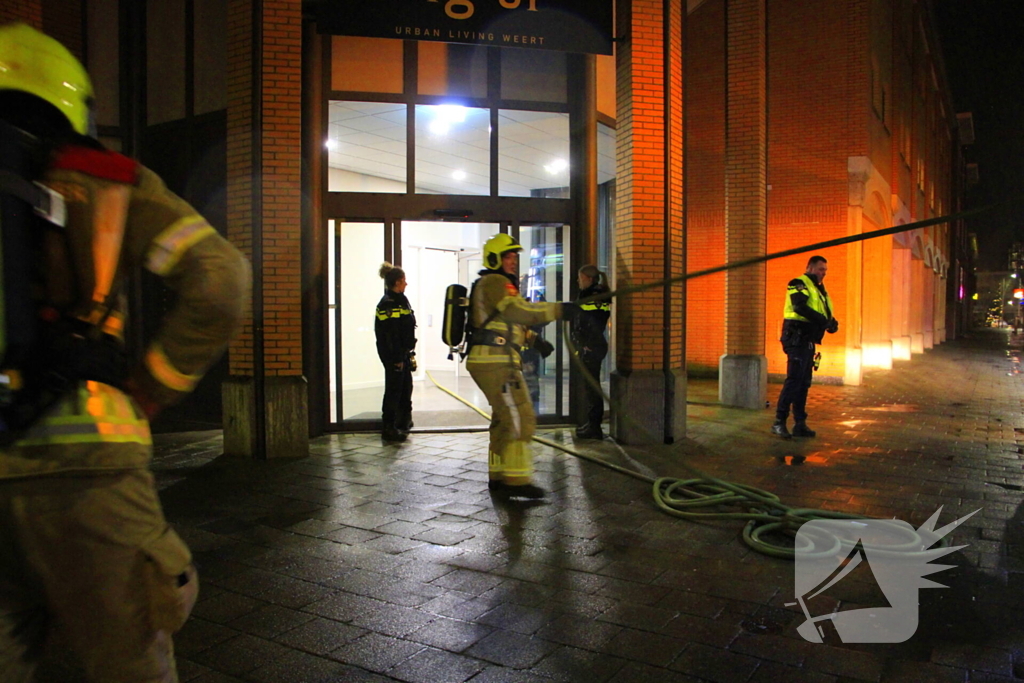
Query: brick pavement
{"x": 367, "y": 562}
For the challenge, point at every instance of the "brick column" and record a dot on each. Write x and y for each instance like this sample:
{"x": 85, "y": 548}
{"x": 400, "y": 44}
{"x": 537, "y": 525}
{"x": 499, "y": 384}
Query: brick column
{"x": 265, "y": 400}
{"x": 29, "y": 11}
{"x": 65, "y": 21}
{"x": 743, "y": 369}
{"x": 649, "y": 385}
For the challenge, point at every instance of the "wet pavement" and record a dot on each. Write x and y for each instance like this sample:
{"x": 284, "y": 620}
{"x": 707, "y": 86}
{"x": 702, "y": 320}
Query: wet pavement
{"x": 371, "y": 562}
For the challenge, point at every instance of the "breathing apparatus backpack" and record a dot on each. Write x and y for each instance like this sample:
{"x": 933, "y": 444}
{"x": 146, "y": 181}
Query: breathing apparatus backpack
{"x": 44, "y": 351}
{"x": 456, "y": 330}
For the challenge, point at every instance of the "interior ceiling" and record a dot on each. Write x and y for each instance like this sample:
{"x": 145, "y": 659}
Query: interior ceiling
{"x": 453, "y": 148}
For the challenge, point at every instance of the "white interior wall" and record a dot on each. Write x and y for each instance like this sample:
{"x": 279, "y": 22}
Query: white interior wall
{"x": 361, "y": 288}
{"x": 339, "y": 180}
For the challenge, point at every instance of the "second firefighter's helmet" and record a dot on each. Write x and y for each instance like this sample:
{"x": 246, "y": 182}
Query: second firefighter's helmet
{"x": 34, "y": 63}
{"x": 498, "y": 246}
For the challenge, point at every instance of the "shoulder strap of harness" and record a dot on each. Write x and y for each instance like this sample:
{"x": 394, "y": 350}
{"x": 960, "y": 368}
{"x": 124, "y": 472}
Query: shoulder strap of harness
{"x": 99, "y": 163}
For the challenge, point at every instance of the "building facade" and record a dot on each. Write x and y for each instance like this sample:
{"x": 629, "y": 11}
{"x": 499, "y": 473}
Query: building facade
{"x": 321, "y": 154}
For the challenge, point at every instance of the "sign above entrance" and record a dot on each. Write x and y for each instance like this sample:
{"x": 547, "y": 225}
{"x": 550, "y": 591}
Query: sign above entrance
{"x": 563, "y": 25}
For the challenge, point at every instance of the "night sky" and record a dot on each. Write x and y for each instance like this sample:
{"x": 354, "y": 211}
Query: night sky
{"x": 983, "y": 45}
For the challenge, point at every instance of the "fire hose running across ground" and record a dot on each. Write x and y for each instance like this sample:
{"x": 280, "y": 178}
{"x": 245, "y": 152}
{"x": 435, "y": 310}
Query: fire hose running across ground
{"x": 702, "y": 497}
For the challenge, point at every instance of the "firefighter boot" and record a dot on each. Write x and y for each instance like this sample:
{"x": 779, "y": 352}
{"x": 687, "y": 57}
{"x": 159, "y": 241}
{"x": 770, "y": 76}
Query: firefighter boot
{"x": 779, "y": 429}
{"x": 801, "y": 429}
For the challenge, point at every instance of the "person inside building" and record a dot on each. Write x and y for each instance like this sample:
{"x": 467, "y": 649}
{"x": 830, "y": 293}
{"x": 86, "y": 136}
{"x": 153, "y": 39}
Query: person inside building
{"x": 808, "y": 316}
{"x": 395, "y": 328}
{"x": 500, "y": 319}
{"x": 84, "y": 546}
{"x": 588, "y": 337}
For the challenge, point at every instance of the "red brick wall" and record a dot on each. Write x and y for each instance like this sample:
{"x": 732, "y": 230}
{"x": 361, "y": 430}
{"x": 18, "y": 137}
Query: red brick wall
{"x": 640, "y": 235}
{"x": 65, "y": 21}
{"x": 705, "y": 185}
{"x": 239, "y": 157}
{"x": 817, "y": 106}
{"x": 276, "y": 175}
{"x": 745, "y": 172}
{"x": 282, "y": 185}
{"x": 29, "y": 11}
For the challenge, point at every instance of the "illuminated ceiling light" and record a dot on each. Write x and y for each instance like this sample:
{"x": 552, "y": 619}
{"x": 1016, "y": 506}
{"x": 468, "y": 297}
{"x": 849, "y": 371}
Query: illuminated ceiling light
{"x": 459, "y": 175}
{"x": 556, "y": 166}
{"x": 331, "y": 144}
{"x": 444, "y": 116}
{"x": 452, "y": 113}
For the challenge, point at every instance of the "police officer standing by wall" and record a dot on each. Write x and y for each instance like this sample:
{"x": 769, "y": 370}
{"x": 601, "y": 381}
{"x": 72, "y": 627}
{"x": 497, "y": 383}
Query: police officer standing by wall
{"x": 395, "y": 329}
{"x": 500, "y": 320}
{"x": 588, "y": 337}
{"x": 808, "y": 316}
{"x": 84, "y": 546}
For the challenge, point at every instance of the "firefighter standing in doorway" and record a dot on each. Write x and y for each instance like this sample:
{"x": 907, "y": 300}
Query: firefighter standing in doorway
{"x": 84, "y": 546}
{"x": 500, "y": 320}
{"x": 807, "y": 317}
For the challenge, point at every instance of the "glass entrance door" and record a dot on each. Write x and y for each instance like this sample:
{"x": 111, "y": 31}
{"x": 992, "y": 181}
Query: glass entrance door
{"x": 433, "y": 255}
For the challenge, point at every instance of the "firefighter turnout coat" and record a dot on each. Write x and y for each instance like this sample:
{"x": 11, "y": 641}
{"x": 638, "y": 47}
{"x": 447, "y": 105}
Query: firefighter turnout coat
{"x": 120, "y": 217}
{"x": 501, "y": 319}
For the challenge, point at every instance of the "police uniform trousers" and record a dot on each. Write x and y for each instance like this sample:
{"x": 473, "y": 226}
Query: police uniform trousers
{"x": 396, "y": 408}
{"x": 93, "y": 557}
{"x": 799, "y": 369}
{"x": 592, "y": 361}
{"x": 512, "y": 421}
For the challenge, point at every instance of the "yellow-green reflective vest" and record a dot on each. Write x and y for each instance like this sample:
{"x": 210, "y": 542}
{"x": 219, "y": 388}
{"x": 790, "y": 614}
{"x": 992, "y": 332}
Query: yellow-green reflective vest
{"x": 815, "y": 299}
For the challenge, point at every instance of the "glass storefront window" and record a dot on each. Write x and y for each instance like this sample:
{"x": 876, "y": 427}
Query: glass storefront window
{"x": 533, "y": 75}
{"x": 366, "y": 64}
{"x": 360, "y": 247}
{"x": 533, "y": 154}
{"x": 453, "y": 150}
{"x": 366, "y": 147}
{"x": 452, "y": 69}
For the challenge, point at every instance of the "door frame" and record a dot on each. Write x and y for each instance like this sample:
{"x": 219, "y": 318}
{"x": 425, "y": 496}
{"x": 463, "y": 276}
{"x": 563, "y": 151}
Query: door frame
{"x": 391, "y": 210}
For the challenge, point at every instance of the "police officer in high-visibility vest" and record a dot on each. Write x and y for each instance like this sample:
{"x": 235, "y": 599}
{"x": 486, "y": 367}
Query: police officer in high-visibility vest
{"x": 588, "y": 336}
{"x": 84, "y": 546}
{"x": 500, "y": 318}
{"x": 395, "y": 330}
{"x": 808, "y": 316}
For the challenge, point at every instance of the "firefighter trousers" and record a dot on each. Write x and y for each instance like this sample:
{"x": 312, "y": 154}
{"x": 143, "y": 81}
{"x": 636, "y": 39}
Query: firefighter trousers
{"x": 512, "y": 421}
{"x": 93, "y": 557}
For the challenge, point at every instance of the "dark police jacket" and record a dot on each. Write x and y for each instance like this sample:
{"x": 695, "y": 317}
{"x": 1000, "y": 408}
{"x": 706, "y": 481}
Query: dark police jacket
{"x": 588, "y": 327}
{"x": 395, "y": 328}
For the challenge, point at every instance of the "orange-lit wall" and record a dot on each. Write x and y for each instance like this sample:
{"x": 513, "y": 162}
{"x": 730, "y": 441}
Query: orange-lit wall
{"x": 705, "y": 180}
{"x": 850, "y": 87}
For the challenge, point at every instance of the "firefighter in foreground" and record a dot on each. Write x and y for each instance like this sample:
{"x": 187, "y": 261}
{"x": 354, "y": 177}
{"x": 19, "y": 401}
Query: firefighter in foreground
{"x": 808, "y": 316}
{"x": 84, "y": 546}
{"x": 500, "y": 319}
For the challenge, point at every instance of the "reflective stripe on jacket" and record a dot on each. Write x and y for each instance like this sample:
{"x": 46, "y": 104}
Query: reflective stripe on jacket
{"x": 589, "y": 327}
{"x": 394, "y": 328}
{"x": 115, "y": 226}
